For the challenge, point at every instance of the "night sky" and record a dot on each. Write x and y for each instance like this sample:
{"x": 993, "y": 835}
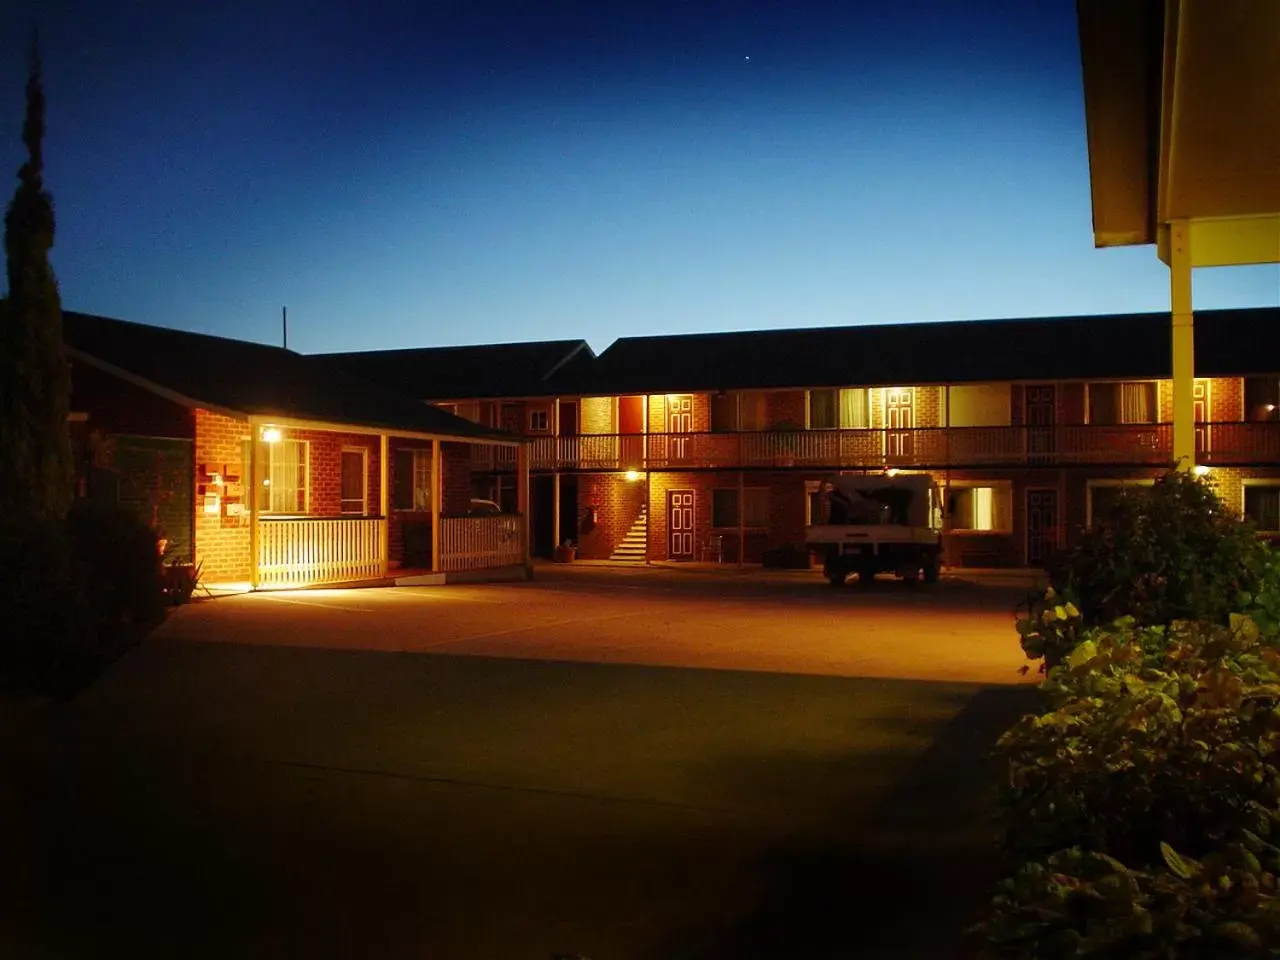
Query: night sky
{"x": 405, "y": 174}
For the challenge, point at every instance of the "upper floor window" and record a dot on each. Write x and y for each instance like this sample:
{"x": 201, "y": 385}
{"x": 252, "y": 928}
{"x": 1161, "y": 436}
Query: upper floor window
{"x": 1262, "y": 398}
{"x": 979, "y": 405}
{"x": 1116, "y": 403}
{"x": 282, "y": 475}
{"x": 847, "y": 408}
{"x": 737, "y": 410}
{"x": 538, "y": 421}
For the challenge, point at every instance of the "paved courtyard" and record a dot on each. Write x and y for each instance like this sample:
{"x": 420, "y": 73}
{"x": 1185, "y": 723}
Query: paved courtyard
{"x": 516, "y": 771}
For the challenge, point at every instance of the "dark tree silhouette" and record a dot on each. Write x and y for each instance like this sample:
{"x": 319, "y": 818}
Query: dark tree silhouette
{"x": 36, "y": 468}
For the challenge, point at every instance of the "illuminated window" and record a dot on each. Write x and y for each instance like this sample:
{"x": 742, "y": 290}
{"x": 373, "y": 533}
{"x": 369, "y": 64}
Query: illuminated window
{"x": 1262, "y": 398}
{"x": 847, "y": 409}
{"x": 724, "y": 507}
{"x": 354, "y": 479}
{"x": 1262, "y": 506}
{"x": 412, "y": 480}
{"x": 737, "y": 411}
{"x": 981, "y": 509}
{"x": 538, "y": 422}
{"x": 1118, "y": 403}
{"x": 282, "y": 476}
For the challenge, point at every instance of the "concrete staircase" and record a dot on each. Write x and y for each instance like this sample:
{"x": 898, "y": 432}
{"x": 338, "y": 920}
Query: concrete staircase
{"x": 631, "y": 549}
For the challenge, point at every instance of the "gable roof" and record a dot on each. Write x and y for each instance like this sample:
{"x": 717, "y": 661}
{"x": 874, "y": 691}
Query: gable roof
{"x": 252, "y": 379}
{"x": 467, "y": 372}
{"x": 1115, "y": 346}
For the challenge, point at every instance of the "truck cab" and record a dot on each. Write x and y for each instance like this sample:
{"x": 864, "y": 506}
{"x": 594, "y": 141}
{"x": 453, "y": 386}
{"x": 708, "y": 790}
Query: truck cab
{"x": 878, "y": 524}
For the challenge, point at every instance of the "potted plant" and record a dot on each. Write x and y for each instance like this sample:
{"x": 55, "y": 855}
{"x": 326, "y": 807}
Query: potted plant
{"x": 566, "y": 552}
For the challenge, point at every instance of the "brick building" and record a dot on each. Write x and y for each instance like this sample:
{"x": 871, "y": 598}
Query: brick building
{"x": 710, "y": 446}
{"x": 272, "y": 469}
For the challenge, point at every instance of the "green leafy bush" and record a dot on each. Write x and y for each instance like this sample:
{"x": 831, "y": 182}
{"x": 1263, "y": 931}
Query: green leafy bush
{"x": 1155, "y": 735}
{"x": 75, "y": 594}
{"x": 1081, "y": 904}
{"x": 1170, "y": 551}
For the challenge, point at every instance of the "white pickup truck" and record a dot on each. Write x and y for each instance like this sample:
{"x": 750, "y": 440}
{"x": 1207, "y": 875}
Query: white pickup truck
{"x": 871, "y": 524}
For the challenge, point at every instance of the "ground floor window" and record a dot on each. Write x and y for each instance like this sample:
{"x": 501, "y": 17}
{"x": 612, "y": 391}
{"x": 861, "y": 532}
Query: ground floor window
{"x": 1103, "y": 495}
{"x": 1262, "y": 506}
{"x": 412, "y": 480}
{"x": 282, "y": 475}
{"x": 981, "y": 508}
{"x": 755, "y": 507}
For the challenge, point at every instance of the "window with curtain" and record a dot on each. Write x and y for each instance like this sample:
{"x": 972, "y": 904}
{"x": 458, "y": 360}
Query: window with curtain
{"x": 848, "y": 409}
{"x": 977, "y": 508}
{"x": 353, "y": 477}
{"x": 282, "y": 472}
{"x": 412, "y": 480}
{"x": 855, "y": 413}
{"x": 824, "y": 410}
{"x": 1119, "y": 403}
{"x": 1262, "y": 506}
{"x": 755, "y": 507}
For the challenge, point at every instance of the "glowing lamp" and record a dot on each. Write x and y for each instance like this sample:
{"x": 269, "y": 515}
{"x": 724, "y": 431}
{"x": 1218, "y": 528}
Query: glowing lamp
{"x": 891, "y": 472}
{"x": 633, "y": 475}
{"x": 271, "y": 434}
{"x": 1200, "y": 470}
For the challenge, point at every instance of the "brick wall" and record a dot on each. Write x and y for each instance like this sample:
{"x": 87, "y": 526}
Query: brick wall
{"x": 1226, "y": 399}
{"x": 455, "y": 467}
{"x": 785, "y": 407}
{"x": 617, "y": 504}
{"x": 324, "y": 469}
{"x": 222, "y": 542}
{"x": 929, "y": 406}
{"x": 596, "y": 415}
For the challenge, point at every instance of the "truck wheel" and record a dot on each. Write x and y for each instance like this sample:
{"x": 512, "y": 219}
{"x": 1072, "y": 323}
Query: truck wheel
{"x": 932, "y": 568}
{"x": 866, "y": 575}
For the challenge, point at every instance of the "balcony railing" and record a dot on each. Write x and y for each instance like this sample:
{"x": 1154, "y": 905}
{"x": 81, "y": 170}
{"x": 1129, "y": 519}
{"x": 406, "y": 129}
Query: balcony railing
{"x": 298, "y": 551}
{"x": 480, "y": 543}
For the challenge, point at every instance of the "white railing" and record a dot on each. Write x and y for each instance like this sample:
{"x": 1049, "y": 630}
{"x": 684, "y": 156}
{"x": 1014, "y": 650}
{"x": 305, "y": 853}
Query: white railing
{"x": 480, "y": 543}
{"x": 308, "y": 550}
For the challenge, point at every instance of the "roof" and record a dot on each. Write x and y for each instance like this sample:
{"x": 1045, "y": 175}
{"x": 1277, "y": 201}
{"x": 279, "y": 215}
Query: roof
{"x": 1115, "y": 346}
{"x": 253, "y": 379}
{"x": 467, "y": 372}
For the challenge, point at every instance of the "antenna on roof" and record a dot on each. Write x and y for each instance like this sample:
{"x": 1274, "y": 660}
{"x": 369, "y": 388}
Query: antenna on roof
{"x": 284, "y": 325}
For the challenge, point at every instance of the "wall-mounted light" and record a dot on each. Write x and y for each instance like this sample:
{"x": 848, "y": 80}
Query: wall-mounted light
{"x": 633, "y": 475}
{"x": 891, "y": 472}
{"x": 270, "y": 434}
{"x": 1200, "y": 470}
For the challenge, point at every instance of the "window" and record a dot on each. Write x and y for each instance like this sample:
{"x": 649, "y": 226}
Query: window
{"x": 282, "y": 475}
{"x": 538, "y": 422}
{"x": 354, "y": 480}
{"x": 1105, "y": 494}
{"x": 980, "y": 509}
{"x": 412, "y": 480}
{"x": 724, "y": 507}
{"x": 1262, "y": 398}
{"x": 737, "y": 411}
{"x": 1117, "y": 403}
{"x": 980, "y": 405}
{"x": 847, "y": 409}
{"x": 1262, "y": 506}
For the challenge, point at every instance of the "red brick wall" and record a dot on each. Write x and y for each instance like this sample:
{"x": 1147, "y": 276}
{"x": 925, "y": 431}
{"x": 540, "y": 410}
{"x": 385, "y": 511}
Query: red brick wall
{"x": 596, "y": 415}
{"x": 324, "y": 469}
{"x": 117, "y": 406}
{"x": 785, "y": 407}
{"x": 455, "y": 467}
{"x": 222, "y": 542}
{"x": 1226, "y": 399}
{"x": 617, "y": 504}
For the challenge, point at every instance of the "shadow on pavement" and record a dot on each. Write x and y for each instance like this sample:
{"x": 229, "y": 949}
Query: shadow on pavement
{"x": 911, "y": 876}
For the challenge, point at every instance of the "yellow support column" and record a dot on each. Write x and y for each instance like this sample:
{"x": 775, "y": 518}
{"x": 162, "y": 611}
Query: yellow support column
{"x": 253, "y": 487}
{"x": 1184, "y": 346}
{"x": 437, "y": 489}
{"x": 522, "y": 504}
{"x": 384, "y": 502}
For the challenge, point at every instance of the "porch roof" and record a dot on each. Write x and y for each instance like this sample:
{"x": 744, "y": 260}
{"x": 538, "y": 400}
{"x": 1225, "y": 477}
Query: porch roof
{"x": 1104, "y": 347}
{"x": 480, "y": 371}
{"x": 255, "y": 380}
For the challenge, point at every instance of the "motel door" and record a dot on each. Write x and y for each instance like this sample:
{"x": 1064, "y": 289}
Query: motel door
{"x": 1200, "y": 402}
{"x": 1042, "y": 414}
{"x": 1042, "y": 526}
{"x": 680, "y": 524}
{"x": 679, "y": 425}
{"x": 899, "y": 419}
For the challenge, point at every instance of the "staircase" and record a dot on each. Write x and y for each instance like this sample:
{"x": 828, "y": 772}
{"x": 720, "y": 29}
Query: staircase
{"x": 631, "y": 549}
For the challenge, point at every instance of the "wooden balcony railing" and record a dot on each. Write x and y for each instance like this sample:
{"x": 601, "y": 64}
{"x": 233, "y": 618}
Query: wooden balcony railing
{"x": 1060, "y": 445}
{"x": 480, "y": 543}
{"x": 299, "y": 551}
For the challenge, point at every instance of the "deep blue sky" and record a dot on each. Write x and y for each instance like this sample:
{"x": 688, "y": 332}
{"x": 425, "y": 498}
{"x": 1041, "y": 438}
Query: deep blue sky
{"x": 404, "y": 173}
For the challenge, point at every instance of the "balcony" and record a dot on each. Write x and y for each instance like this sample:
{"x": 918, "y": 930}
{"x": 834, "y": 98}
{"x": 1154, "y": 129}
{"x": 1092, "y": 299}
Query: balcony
{"x": 1219, "y": 444}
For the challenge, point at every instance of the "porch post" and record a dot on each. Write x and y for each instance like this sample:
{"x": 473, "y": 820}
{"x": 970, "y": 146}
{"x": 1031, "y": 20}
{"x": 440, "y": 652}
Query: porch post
{"x": 555, "y": 473}
{"x": 648, "y": 506}
{"x": 522, "y": 502}
{"x": 742, "y": 521}
{"x": 384, "y": 502}
{"x": 1184, "y": 345}
{"x": 253, "y": 489}
{"x": 437, "y": 488}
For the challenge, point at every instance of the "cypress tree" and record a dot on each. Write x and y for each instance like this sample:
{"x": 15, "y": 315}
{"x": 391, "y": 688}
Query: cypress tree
{"x": 36, "y": 468}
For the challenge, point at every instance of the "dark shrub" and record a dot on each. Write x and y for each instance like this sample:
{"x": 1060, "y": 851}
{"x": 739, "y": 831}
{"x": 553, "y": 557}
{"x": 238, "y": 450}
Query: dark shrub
{"x": 75, "y": 594}
{"x": 1171, "y": 551}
